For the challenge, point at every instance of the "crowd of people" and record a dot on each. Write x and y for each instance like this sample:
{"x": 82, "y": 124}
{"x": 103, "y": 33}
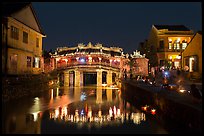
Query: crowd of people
{"x": 166, "y": 77}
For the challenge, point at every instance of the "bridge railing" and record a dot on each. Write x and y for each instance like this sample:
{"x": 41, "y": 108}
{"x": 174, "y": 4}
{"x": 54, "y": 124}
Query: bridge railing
{"x": 64, "y": 66}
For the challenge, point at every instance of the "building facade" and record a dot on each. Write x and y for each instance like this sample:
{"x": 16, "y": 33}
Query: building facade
{"x": 192, "y": 57}
{"x": 21, "y": 40}
{"x": 168, "y": 41}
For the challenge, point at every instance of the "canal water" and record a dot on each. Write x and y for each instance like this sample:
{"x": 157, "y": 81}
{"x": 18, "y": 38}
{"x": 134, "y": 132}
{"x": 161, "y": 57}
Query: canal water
{"x": 78, "y": 110}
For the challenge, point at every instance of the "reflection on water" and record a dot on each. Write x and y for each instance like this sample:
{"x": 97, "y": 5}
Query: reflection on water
{"x": 74, "y": 106}
{"x": 82, "y": 115}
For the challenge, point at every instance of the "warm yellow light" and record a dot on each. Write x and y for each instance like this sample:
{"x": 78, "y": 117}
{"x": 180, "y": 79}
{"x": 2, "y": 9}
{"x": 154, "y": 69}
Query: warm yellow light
{"x": 104, "y": 85}
{"x": 182, "y": 91}
{"x": 35, "y": 115}
{"x": 110, "y": 112}
{"x": 118, "y": 112}
{"x": 56, "y": 113}
{"x": 145, "y": 108}
{"x": 178, "y": 57}
{"x": 114, "y": 110}
{"x": 99, "y": 113}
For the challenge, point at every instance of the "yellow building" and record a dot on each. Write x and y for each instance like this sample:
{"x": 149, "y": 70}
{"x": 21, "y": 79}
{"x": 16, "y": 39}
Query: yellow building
{"x": 192, "y": 57}
{"x": 169, "y": 41}
{"x": 21, "y": 40}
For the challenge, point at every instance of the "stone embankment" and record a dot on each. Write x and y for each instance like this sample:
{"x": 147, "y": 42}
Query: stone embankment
{"x": 15, "y": 87}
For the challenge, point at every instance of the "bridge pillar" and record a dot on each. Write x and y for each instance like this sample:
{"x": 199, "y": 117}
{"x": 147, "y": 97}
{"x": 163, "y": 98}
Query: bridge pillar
{"x": 81, "y": 79}
{"x": 99, "y": 95}
{"x": 66, "y": 78}
{"x": 109, "y": 95}
{"x": 99, "y": 77}
{"x": 109, "y": 77}
{"x": 77, "y": 78}
{"x": 77, "y": 93}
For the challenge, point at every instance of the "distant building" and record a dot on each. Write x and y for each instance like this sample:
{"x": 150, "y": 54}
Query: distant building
{"x": 192, "y": 57}
{"x": 167, "y": 42}
{"x": 21, "y": 39}
{"x": 140, "y": 64}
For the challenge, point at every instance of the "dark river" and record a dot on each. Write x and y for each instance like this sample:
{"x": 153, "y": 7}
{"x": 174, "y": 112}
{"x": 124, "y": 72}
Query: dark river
{"x": 78, "y": 110}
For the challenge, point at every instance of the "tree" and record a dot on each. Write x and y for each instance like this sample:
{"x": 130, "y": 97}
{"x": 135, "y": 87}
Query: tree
{"x": 46, "y": 54}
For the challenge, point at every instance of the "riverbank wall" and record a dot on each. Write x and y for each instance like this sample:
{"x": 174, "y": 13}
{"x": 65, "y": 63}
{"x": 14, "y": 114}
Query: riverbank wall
{"x": 171, "y": 105}
{"x": 16, "y": 87}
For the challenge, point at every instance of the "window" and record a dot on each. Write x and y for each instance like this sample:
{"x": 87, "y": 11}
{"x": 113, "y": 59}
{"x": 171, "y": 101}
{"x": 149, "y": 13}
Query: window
{"x": 184, "y": 44}
{"x": 37, "y": 42}
{"x": 193, "y": 63}
{"x": 170, "y": 45}
{"x": 36, "y": 62}
{"x": 174, "y": 46}
{"x": 25, "y": 37}
{"x": 177, "y": 46}
{"x": 161, "y": 44}
{"x": 14, "y": 33}
{"x": 28, "y": 61}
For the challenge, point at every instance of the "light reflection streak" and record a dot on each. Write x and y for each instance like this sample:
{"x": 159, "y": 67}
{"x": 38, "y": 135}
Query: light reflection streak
{"x": 101, "y": 118}
{"x": 51, "y": 93}
{"x": 35, "y": 115}
{"x": 57, "y": 92}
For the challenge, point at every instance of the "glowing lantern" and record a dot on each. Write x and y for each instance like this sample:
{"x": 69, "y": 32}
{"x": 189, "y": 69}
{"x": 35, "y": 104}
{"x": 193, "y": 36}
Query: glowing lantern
{"x": 90, "y": 59}
{"x": 82, "y": 60}
{"x": 153, "y": 111}
{"x": 144, "y": 108}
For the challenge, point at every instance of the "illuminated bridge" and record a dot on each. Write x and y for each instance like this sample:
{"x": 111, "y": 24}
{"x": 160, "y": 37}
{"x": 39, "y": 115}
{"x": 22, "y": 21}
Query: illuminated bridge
{"x": 82, "y": 64}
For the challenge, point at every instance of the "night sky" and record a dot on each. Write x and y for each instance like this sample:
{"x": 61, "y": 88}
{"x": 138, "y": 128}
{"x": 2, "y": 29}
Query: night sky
{"x": 116, "y": 24}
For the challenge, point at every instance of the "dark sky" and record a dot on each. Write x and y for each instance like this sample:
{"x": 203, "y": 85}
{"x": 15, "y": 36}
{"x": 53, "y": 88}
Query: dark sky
{"x": 117, "y": 24}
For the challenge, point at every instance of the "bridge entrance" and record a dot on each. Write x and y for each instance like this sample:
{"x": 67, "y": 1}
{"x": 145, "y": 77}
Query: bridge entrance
{"x": 90, "y": 78}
